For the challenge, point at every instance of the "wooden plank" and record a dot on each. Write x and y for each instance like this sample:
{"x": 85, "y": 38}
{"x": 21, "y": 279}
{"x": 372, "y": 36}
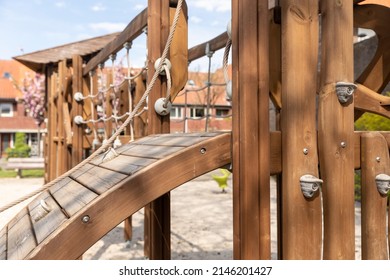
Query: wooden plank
{"x": 131, "y": 195}
{"x": 250, "y": 27}
{"x": 77, "y": 110}
{"x": 335, "y": 131}
{"x": 172, "y": 141}
{"x": 3, "y": 244}
{"x": 132, "y": 31}
{"x": 21, "y": 240}
{"x": 148, "y": 151}
{"x": 67, "y": 126}
{"x": 375, "y": 160}
{"x": 62, "y": 153}
{"x": 96, "y": 178}
{"x": 71, "y": 195}
{"x": 127, "y": 164}
{"x": 215, "y": 44}
{"x": 52, "y": 126}
{"x": 46, "y": 216}
{"x": 178, "y": 52}
{"x": 301, "y": 216}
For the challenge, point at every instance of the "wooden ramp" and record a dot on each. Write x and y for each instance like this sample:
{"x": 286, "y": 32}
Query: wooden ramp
{"x": 73, "y": 214}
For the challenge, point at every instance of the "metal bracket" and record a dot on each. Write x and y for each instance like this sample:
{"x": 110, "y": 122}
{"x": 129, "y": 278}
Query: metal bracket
{"x": 344, "y": 91}
{"x": 383, "y": 183}
{"x": 162, "y": 107}
{"x": 310, "y": 185}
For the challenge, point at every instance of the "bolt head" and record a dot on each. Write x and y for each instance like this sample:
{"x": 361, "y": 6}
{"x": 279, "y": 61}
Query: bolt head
{"x": 305, "y": 151}
{"x": 86, "y": 219}
{"x": 343, "y": 144}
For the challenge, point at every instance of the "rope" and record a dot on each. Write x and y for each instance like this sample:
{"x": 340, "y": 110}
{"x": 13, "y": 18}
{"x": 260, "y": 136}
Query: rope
{"x": 225, "y": 60}
{"x": 108, "y": 143}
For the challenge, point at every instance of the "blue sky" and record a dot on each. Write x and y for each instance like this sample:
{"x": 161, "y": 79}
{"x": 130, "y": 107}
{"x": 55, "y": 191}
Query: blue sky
{"x": 32, "y": 25}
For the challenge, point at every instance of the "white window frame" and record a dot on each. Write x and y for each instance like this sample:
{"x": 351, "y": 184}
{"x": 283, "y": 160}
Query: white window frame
{"x": 176, "y": 113}
{"x": 227, "y": 110}
{"x": 6, "y": 106}
{"x": 193, "y": 111}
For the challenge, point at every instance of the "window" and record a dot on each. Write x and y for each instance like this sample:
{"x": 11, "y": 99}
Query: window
{"x": 222, "y": 112}
{"x": 197, "y": 112}
{"x": 6, "y": 110}
{"x": 176, "y": 113}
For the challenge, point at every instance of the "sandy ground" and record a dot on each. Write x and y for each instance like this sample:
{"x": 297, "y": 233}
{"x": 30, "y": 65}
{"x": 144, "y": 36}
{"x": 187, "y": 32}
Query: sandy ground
{"x": 201, "y": 222}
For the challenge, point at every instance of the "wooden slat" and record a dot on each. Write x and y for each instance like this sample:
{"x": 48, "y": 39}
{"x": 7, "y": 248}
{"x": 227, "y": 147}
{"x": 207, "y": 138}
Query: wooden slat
{"x": 127, "y": 164}
{"x": 71, "y": 195}
{"x": 335, "y": 131}
{"x": 98, "y": 179}
{"x": 151, "y": 151}
{"x": 172, "y": 141}
{"x": 45, "y": 222}
{"x": 132, "y": 31}
{"x": 374, "y": 204}
{"x": 21, "y": 240}
{"x": 3, "y": 244}
{"x": 178, "y": 53}
{"x": 67, "y": 126}
{"x": 301, "y": 217}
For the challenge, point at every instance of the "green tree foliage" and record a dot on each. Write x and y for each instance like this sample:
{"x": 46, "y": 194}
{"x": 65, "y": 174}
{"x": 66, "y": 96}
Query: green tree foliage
{"x": 21, "y": 149}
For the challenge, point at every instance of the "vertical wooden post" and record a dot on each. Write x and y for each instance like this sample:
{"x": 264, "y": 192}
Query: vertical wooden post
{"x": 336, "y": 130}
{"x": 52, "y": 119}
{"x": 77, "y": 110}
{"x": 158, "y": 30}
{"x": 62, "y": 148}
{"x": 301, "y": 216}
{"x": 251, "y": 144}
{"x": 374, "y": 161}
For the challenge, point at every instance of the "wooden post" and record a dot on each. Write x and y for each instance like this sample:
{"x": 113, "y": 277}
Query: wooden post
{"x": 52, "y": 124}
{"x": 62, "y": 148}
{"x": 374, "y": 161}
{"x": 159, "y": 210}
{"x": 301, "y": 216}
{"x": 336, "y": 130}
{"x": 77, "y": 110}
{"x": 251, "y": 144}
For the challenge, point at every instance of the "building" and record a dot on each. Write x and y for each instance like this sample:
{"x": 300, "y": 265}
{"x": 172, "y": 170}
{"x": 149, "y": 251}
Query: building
{"x": 191, "y": 112}
{"x": 13, "y": 117}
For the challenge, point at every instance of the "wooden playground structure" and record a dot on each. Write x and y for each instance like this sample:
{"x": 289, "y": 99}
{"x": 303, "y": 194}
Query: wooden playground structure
{"x": 299, "y": 55}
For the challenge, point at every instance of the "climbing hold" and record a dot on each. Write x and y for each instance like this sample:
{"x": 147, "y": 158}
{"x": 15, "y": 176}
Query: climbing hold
{"x": 310, "y": 185}
{"x": 166, "y": 63}
{"x": 78, "y": 120}
{"x": 383, "y": 183}
{"x": 78, "y": 96}
{"x": 162, "y": 107}
{"x": 344, "y": 91}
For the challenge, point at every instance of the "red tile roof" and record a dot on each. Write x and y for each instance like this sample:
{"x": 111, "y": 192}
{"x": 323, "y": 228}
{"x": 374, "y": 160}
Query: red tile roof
{"x": 17, "y": 72}
{"x": 19, "y": 123}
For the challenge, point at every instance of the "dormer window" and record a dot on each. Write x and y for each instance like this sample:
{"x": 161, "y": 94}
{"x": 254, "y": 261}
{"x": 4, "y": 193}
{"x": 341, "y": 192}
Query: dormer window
{"x": 6, "y": 110}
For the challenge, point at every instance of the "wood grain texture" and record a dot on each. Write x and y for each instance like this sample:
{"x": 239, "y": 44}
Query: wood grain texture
{"x": 3, "y": 244}
{"x": 335, "y": 130}
{"x": 45, "y": 219}
{"x": 118, "y": 203}
{"x": 301, "y": 217}
{"x": 21, "y": 240}
{"x": 374, "y": 204}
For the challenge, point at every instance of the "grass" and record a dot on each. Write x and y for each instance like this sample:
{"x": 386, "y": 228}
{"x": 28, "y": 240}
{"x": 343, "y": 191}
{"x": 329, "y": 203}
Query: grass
{"x": 33, "y": 173}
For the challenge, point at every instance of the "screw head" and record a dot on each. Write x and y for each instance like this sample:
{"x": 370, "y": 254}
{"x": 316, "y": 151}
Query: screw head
{"x": 305, "y": 151}
{"x": 378, "y": 159}
{"x": 343, "y": 144}
{"x": 85, "y": 219}
{"x": 203, "y": 151}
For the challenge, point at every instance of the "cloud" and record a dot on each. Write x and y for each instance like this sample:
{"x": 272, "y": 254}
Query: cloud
{"x": 107, "y": 26}
{"x": 98, "y": 7}
{"x": 211, "y": 6}
{"x": 60, "y": 4}
{"x": 195, "y": 19}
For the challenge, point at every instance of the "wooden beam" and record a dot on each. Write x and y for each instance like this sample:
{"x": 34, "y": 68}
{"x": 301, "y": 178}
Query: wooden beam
{"x": 215, "y": 44}
{"x": 77, "y": 110}
{"x": 251, "y": 203}
{"x": 301, "y": 216}
{"x": 375, "y": 161}
{"x": 366, "y": 100}
{"x": 159, "y": 210}
{"x": 132, "y": 31}
{"x": 336, "y": 130}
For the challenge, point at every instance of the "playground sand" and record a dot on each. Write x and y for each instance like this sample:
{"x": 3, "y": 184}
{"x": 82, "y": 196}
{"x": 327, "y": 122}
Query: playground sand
{"x": 201, "y": 222}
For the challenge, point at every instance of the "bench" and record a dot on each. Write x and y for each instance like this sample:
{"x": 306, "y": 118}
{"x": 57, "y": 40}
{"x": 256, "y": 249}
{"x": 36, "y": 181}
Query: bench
{"x": 20, "y": 164}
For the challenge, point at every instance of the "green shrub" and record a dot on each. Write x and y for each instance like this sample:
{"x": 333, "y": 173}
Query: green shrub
{"x": 21, "y": 149}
